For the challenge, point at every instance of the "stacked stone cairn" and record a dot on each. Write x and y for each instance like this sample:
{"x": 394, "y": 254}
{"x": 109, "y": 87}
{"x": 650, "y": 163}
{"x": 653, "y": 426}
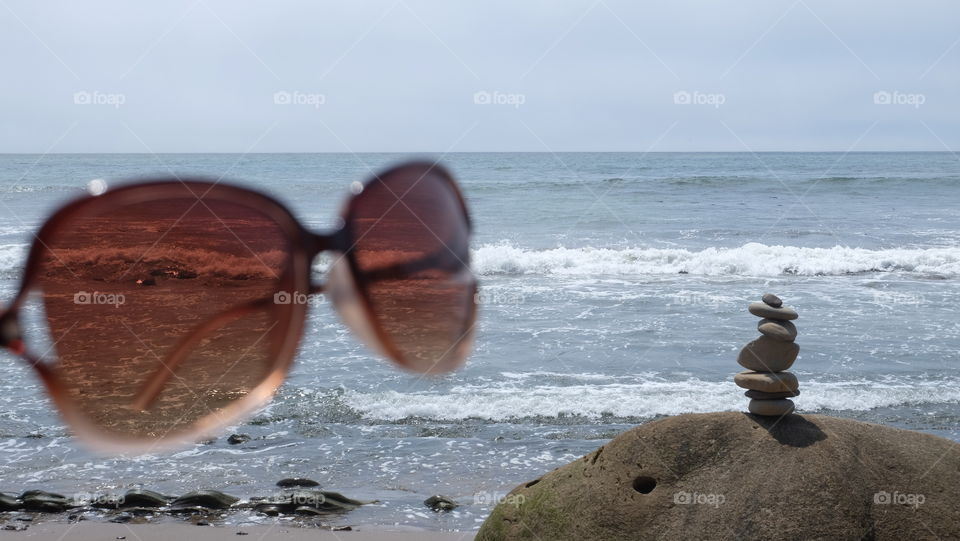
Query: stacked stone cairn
{"x": 769, "y": 386}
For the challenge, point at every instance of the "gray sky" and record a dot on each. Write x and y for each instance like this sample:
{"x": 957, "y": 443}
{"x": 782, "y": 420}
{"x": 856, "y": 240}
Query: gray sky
{"x": 411, "y": 75}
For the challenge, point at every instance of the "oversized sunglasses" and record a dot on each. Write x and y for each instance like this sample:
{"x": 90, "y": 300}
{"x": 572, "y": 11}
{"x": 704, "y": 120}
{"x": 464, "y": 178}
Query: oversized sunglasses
{"x": 174, "y": 307}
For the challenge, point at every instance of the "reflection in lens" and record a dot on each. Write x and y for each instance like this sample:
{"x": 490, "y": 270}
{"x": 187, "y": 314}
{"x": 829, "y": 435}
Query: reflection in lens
{"x": 412, "y": 253}
{"x": 123, "y": 287}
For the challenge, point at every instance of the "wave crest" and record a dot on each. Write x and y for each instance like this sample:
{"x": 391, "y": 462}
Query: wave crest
{"x": 632, "y": 402}
{"x": 752, "y": 259}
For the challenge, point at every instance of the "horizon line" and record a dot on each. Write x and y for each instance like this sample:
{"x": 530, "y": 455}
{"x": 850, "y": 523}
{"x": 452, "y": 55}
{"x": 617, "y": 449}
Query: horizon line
{"x": 408, "y": 152}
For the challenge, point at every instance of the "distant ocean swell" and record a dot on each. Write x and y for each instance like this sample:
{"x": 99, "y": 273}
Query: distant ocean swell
{"x": 752, "y": 259}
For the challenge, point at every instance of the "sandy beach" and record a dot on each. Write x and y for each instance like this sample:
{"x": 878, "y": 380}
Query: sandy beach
{"x": 150, "y": 532}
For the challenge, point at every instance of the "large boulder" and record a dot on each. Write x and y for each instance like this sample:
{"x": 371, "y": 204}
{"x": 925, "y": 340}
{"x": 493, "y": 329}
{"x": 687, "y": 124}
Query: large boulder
{"x": 739, "y": 476}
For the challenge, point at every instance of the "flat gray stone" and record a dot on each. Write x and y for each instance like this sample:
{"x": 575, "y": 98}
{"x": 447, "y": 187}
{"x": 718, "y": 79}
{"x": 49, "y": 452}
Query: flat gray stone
{"x": 767, "y": 382}
{"x": 772, "y": 300}
{"x": 760, "y": 309}
{"x": 783, "y": 331}
{"x": 776, "y": 407}
{"x": 760, "y": 395}
{"x": 768, "y": 355}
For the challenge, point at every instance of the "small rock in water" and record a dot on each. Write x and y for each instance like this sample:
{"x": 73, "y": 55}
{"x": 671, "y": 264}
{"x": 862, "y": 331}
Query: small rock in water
{"x": 784, "y": 331}
{"x": 760, "y": 309}
{"x": 440, "y": 503}
{"x": 297, "y": 482}
{"x": 767, "y": 382}
{"x": 780, "y": 406}
{"x": 772, "y": 300}
{"x": 236, "y": 439}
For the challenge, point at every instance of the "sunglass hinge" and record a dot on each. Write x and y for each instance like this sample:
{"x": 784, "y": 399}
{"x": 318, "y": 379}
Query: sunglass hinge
{"x": 10, "y": 335}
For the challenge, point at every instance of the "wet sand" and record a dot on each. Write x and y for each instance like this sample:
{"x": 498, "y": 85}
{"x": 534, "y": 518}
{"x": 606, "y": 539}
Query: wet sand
{"x": 150, "y": 532}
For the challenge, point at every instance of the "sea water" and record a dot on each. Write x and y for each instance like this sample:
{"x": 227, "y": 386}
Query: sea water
{"x": 614, "y": 289}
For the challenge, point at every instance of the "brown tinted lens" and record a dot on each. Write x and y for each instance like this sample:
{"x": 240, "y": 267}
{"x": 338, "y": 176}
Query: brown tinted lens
{"x": 123, "y": 287}
{"x": 411, "y": 248}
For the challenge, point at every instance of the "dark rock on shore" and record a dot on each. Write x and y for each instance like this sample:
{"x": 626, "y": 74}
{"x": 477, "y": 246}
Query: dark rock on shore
{"x": 236, "y": 439}
{"x": 205, "y": 499}
{"x": 141, "y": 497}
{"x": 201, "y": 503}
{"x": 440, "y": 503}
{"x": 46, "y": 502}
{"x": 739, "y": 476}
{"x": 296, "y": 502}
{"x": 297, "y": 482}
{"x": 10, "y": 503}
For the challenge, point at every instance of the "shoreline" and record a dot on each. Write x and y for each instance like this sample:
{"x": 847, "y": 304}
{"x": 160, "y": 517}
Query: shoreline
{"x": 94, "y": 531}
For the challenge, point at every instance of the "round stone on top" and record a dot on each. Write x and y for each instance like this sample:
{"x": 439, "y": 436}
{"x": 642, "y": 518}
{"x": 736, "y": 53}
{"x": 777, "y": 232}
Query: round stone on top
{"x": 761, "y": 309}
{"x": 772, "y": 300}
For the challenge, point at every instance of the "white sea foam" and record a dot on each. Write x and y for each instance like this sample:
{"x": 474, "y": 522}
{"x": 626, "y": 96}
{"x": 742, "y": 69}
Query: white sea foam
{"x": 12, "y": 257}
{"x": 751, "y": 259}
{"x": 512, "y": 401}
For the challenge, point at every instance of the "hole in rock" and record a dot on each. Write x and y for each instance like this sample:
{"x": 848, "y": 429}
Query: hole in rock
{"x": 644, "y": 484}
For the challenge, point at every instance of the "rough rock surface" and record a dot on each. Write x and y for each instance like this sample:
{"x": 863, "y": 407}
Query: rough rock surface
{"x": 739, "y": 476}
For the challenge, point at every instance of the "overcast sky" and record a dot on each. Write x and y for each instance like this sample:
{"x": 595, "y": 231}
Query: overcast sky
{"x": 411, "y": 75}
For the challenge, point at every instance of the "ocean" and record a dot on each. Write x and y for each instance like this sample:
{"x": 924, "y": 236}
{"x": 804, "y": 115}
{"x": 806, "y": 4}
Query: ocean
{"x": 614, "y": 289}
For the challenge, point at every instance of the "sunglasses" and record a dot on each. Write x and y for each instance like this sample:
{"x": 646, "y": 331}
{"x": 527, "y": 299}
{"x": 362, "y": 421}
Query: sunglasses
{"x": 174, "y": 307}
